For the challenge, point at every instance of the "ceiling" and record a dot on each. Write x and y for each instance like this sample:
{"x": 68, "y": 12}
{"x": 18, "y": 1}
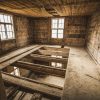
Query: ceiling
{"x": 49, "y": 8}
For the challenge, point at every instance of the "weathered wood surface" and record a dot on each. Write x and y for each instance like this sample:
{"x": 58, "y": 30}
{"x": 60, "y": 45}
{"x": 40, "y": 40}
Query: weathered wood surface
{"x": 2, "y": 89}
{"x": 9, "y": 62}
{"x": 41, "y": 68}
{"x": 54, "y": 53}
{"x": 57, "y": 49}
{"x": 48, "y": 58}
{"x": 46, "y": 8}
{"x": 16, "y": 53}
{"x": 33, "y": 85}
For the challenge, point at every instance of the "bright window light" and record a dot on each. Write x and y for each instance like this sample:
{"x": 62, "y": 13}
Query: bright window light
{"x": 57, "y": 27}
{"x": 6, "y": 27}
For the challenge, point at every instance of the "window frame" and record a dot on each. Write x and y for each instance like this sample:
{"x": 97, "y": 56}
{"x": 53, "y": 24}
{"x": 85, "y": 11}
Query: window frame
{"x": 5, "y": 27}
{"x": 57, "y": 29}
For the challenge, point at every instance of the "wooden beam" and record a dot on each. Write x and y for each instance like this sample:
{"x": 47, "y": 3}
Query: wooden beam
{"x": 41, "y": 68}
{"x": 16, "y": 53}
{"x": 9, "y": 62}
{"x": 48, "y": 58}
{"x": 2, "y": 89}
{"x": 57, "y": 49}
{"x": 53, "y": 52}
{"x": 33, "y": 85}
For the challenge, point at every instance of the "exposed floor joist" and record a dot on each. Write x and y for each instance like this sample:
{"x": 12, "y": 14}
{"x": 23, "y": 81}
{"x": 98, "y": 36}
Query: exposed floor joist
{"x": 41, "y": 68}
{"x": 9, "y": 62}
{"x": 53, "y": 53}
{"x": 16, "y": 53}
{"x": 48, "y": 58}
{"x": 2, "y": 89}
{"x": 32, "y": 85}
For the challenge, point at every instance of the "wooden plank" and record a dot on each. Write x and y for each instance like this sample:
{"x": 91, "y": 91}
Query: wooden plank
{"x": 41, "y": 68}
{"x": 57, "y": 49}
{"x": 2, "y": 89}
{"x": 54, "y": 53}
{"x": 48, "y": 58}
{"x": 33, "y": 85}
{"x": 9, "y": 62}
{"x": 16, "y": 53}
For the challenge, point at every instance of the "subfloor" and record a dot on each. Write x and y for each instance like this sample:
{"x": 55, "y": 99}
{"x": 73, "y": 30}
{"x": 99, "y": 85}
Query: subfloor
{"x": 82, "y": 77}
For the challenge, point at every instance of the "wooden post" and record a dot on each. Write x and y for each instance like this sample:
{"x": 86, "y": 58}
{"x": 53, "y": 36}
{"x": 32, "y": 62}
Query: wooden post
{"x": 2, "y": 89}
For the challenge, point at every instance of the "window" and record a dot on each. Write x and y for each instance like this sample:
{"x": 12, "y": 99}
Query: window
{"x": 6, "y": 27}
{"x": 57, "y": 27}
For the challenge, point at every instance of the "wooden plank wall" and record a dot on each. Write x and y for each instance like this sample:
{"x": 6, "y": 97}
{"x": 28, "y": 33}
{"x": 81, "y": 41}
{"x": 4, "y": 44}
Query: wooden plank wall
{"x": 93, "y": 36}
{"x": 41, "y": 30}
{"x": 23, "y": 33}
{"x": 23, "y": 30}
{"x": 74, "y": 33}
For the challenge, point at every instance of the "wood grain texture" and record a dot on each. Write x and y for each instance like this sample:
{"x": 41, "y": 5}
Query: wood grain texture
{"x": 33, "y": 85}
{"x": 49, "y": 8}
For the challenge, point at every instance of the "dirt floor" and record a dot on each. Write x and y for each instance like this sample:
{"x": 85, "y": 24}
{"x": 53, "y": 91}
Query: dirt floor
{"x": 82, "y": 77}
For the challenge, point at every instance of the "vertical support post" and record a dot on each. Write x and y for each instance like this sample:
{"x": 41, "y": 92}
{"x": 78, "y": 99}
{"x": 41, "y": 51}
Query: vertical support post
{"x": 2, "y": 89}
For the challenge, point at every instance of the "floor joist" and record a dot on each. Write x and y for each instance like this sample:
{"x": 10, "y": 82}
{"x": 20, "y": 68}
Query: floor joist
{"x": 16, "y": 53}
{"x": 2, "y": 89}
{"x": 10, "y": 61}
{"x": 48, "y": 58}
{"x": 54, "y": 53}
{"x": 41, "y": 68}
{"x": 56, "y": 49}
{"x": 32, "y": 85}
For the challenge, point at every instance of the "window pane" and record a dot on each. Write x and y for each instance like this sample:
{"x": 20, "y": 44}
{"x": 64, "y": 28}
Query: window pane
{"x": 60, "y": 36}
{"x": 61, "y": 25}
{"x": 54, "y": 26}
{"x": 54, "y": 35}
{"x": 3, "y": 35}
{"x": 6, "y": 18}
{"x": 1, "y": 18}
{"x": 2, "y": 28}
{"x": 61, "y": 20}
{"x": 10, "y": 35}
{"x": 54, "y": 31}
{"x": 60, "y": 33}
{"x": 54, "y": 23}
{"x": 9, "y": 19}
{"x": 9, "y": 27}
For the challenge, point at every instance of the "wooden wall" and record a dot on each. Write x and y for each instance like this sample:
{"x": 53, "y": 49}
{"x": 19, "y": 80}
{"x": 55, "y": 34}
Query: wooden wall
{"x": 23, "y": 31}
{"x": 41, "y": 30}
{"x": 23, "y": 34}
{"x": 93, "y": 36}
{"x": 74, "y": 33}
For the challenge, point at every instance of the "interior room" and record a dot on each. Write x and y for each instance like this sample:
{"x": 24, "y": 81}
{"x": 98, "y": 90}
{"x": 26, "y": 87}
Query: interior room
{"x": 49, "y": 49}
